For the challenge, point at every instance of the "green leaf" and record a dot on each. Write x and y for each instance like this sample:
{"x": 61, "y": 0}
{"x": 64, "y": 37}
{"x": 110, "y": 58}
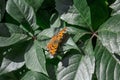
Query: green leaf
{"x": 73, "y": 17}
{"x": 35, "y": 58}
{"x": 14, "y": 38}
{"x": 107, "y": 68}
{"x": 63, "y": 6}
{"x": 79, "y": 34}
{"x": 7, "y": 66}
{"x": 2, "y": 9}
{"x": 14, "y": 58}
{"x": 7, "y": 29}
{"x": 70, "y": 44}
{"x": 98, "y": 17}
{"x": 116, "y": 7}
{"x": 109, "y": 34}
{"x": 51, "y": 68}
{"x": 55, "y": 20}
{"x": 35, "y": 3}
{"x": 77, "y": 67}
{"x": 22, "y": 12}
{"x": 84, "y": 10}
{"x": 76, "y": 14}
{"x": 11, "y": 34}
{"x": 88, "y": 48}
{"x": 30, "y": 75}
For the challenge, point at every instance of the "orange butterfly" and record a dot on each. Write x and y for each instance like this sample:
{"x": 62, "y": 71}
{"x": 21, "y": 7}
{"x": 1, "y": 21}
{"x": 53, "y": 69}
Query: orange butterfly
{"x": 53, "y": 44}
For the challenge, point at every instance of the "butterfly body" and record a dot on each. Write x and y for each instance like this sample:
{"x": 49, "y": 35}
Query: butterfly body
{"x": 55, "y": 41}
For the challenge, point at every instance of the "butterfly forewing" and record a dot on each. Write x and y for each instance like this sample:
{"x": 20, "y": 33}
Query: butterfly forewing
{"x": 55, "y": 41}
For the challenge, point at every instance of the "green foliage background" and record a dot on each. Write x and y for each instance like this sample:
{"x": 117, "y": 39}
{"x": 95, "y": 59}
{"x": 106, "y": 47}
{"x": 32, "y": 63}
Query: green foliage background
{"x": 91, "y": 50}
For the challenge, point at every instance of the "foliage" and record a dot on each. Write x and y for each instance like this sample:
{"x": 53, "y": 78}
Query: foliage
{"x": 90, "y": 49}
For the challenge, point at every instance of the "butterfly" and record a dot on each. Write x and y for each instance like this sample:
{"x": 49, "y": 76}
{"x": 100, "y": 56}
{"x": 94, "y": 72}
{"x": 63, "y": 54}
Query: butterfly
{"x": 55, "y": 41}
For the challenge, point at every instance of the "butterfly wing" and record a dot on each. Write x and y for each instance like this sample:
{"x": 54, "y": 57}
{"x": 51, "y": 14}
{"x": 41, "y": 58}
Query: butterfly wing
{"x": 53, "y": 44}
